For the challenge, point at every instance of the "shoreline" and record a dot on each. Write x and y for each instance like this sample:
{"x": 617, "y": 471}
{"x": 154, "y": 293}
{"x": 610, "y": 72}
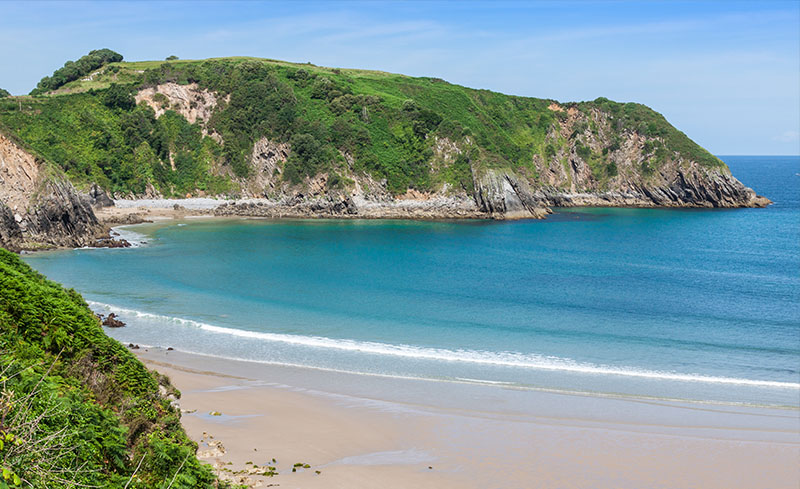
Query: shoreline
{"x": 132, "y": 211}
{"x": 365, "y": 431}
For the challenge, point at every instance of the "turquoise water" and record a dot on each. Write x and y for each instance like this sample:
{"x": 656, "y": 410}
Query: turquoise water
{"x": 687, "y": 304}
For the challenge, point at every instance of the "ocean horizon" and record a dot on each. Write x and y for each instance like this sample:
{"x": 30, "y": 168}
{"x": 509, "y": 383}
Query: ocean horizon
{"x": 687, "y": 304}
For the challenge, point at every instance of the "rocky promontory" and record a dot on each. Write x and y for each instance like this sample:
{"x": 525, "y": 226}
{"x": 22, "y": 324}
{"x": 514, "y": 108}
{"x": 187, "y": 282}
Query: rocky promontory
{"x": 263, "y": 138}
{"x": 38, "y": 208}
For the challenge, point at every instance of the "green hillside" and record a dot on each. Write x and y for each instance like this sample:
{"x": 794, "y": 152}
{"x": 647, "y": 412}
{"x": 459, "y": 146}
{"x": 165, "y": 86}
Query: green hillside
{"x": 77, "y": 409}
{"x": 92, "y": 128}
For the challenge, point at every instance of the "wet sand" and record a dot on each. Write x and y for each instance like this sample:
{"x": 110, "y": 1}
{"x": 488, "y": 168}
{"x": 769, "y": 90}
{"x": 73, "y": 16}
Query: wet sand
{"x": 368, "y": 431}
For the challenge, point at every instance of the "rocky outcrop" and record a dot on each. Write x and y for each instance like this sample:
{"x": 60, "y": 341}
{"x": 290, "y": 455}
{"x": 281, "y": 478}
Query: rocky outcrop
{"x": 59, "y": 216}
{"x": 39, "y": 209}
{"x": 693, "y": 188}
{"x": 188, "y": 100}
{"x": 601, "y": 165}
{"x": 111, "y": 321}
{"x": 10, "y": 232}
{"x": 99, "y": 198}
{"x": 266, "y": 166}
{"x": 502, "y": 194}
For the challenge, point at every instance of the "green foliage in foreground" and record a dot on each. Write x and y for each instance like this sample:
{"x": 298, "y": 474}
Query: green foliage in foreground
{"x": 77, "y": 408}
{"x": 387, "y": 123}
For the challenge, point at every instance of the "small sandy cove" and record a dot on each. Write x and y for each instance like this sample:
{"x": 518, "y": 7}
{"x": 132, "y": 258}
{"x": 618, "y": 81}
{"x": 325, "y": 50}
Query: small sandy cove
{"x": 355, "y": 431}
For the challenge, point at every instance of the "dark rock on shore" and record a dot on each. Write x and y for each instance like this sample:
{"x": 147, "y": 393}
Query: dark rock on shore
{"x": 111, "y": 321}
{"x": 99, "y": 198}
{"x": 60, "y": 216}
{"x": 109, "y": 241}
{"x": 10, "y": 232}
{"x": 504, "y": 195}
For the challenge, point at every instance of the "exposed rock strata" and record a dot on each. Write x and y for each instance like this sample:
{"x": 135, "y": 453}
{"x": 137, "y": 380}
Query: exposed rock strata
{"x": 188, "y": 100}
{"x": 37, "y": 209}
{"x": 566, "y": 178}
{"x": 343, "y": 207}
{"x": 502, "y": 194}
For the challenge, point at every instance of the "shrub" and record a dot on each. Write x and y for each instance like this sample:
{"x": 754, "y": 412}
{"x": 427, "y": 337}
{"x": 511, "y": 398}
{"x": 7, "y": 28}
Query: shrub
{"x": 59, "y": 428}
{"x": 583, "y": 151}
{"x": 73, "y": 70}
{"x": 119, "y": 97}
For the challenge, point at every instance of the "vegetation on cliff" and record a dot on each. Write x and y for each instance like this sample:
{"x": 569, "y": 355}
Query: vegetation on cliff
{"x": 337, "y": 122}
{"x": 76, "y": 407}
{"x": 74, "y": 70}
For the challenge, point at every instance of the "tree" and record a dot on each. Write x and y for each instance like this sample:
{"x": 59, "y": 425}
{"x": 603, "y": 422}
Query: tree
{"x": 4, "y": 93}
{"x": 73, "y": 70}
{"x": 119, "y": 97}
{"x": 172, "y": 57}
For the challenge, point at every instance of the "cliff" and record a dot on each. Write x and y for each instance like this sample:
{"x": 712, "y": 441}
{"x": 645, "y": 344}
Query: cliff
{"x": 39, "y": 208}
{"x": 315, "y": 141}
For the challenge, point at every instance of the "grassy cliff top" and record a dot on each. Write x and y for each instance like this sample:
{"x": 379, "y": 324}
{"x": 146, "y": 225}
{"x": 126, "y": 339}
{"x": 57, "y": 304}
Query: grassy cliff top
{"x": 386, "y": 122}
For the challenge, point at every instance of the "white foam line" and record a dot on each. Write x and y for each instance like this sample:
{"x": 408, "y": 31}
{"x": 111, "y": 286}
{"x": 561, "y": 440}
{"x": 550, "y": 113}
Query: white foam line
{"x": 502, "y": 359}
{"x": 135, "y": 239}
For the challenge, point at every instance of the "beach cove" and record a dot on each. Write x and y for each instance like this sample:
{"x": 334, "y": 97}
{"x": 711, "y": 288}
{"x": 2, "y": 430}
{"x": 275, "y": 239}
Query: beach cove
{"x": 366, "y": 431}
{"x": 649, "y": 344}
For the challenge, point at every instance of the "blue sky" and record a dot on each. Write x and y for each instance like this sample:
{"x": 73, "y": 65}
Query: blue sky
{"x": 725, "y": 73}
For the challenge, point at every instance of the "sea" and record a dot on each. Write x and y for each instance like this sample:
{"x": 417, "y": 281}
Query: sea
{"x": 698, "y": 305}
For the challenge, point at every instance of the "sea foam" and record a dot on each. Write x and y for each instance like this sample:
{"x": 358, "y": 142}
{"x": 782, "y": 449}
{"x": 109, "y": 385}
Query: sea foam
{"x": 475, "y": 357}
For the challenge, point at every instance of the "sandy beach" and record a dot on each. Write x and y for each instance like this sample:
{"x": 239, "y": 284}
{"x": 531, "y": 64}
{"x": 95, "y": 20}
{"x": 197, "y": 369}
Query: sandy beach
{"x": 370, "y": 431}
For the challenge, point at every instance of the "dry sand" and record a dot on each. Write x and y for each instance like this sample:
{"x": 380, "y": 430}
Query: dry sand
{"x": 369, "y": 432}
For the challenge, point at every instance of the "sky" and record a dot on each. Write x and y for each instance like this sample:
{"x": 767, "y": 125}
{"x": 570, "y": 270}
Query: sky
{"x": 725, "y": 73}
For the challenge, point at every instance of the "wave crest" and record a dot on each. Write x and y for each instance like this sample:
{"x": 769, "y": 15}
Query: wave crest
{"x": 501, "y": 359}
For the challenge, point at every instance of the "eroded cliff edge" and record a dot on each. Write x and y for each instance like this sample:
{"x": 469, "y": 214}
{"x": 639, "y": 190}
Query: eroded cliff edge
{"x": 590, "y": 157}
{"x": 276, "y": 139}
{"x": 39, "y": 208}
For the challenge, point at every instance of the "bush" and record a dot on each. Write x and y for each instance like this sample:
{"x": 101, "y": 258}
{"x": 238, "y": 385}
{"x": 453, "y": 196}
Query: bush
{"x": 73, "y": 70}
{"x": 59, "y": 428}
{"x": 583, "y": 151}
{"x": 119, "y": 97}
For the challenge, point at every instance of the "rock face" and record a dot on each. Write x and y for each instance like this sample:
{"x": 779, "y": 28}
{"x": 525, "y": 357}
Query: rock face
{"x": 37, "y": 209}
{"x": 502, "y": 194}
{"x": 266, "y": 163}
{"x": 567, "y": 178}
{"x": 570, "y": 176}
{"x": 10, "y": 232}
{"x": 187, "y": 100}
{"x": 634, "y": 170}
{"x": 99, "y": 198}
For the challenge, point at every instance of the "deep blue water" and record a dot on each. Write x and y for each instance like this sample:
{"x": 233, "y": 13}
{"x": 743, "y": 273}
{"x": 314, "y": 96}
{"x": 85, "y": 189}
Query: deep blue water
{"x": 691, "y": 304}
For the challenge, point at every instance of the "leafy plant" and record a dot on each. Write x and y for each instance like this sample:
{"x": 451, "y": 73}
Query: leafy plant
{"x": 72, "y": 70}
{"x": 76, "y": 407}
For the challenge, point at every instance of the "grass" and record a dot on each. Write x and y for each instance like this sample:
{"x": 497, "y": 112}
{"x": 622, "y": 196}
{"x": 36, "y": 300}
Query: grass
{"x": 387, "y": 122}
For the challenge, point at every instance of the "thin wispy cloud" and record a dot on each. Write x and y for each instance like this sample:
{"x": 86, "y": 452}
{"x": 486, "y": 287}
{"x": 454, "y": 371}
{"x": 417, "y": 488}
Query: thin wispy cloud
{"x": 710, "y": 67}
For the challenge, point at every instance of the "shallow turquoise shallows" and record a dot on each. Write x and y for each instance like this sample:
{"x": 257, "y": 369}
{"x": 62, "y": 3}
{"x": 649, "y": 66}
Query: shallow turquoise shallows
{"x": 684, "y": 304}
